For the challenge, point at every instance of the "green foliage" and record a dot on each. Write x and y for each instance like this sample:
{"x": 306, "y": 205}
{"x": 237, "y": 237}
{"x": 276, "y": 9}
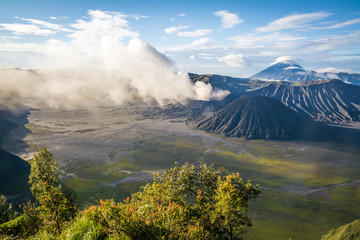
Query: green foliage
{"x": 46, "y": 221}
{"x": 13, "y": 227}
{"x": 81, "y": 228}
{"x": 183, "y": 203}
{"x": 55, "y": 209}
{"x": 43, "y": 169}
{"x": 349, "y": 231}
{"x": 24, "y": 226}
{"x": 6, "y": 211}
{"x": 32, "y": 220}
{"x": 186, "y": 202}
{"x": 231, "y": 207}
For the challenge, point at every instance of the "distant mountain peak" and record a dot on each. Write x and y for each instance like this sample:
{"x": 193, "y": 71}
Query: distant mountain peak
{"x": 284, "y": 69}
{"x": 287, "y": 69}
{"x": 285, "y": 60}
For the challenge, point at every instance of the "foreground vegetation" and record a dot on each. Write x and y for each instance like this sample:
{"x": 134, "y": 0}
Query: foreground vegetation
{"x": 186, "y": 202}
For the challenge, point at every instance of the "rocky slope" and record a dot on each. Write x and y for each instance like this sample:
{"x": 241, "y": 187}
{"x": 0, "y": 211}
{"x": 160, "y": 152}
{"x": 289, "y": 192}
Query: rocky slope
{"x": 259, "y": 117}
{"x": 331, "y": 101}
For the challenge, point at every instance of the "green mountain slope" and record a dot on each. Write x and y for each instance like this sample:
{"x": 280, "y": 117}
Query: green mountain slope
{"x": 14, "y": 174}
{"x": 349, "y": 231}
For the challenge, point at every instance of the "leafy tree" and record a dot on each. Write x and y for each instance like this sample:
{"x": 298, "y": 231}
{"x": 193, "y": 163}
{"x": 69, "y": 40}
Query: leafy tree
{"x": 185, "y": 202}
{"x": 56, "y": 205}
{"x": 43, "y": 169}
{"x": 6, "y": 211}
{"x": 214, "y": 201}
{"x": 230, "y": 216}
{"x": 55, "y": 209}
{"x": 31, "y": 220}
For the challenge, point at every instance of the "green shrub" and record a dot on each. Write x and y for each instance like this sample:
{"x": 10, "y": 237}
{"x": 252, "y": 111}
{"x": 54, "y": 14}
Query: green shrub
{"x": 12, "y": 228}
{"x": 6, "y": 211}
{"x": 55, "y": 210}
{"x": 185, "y": 202}
{"x": 32, "y": 221}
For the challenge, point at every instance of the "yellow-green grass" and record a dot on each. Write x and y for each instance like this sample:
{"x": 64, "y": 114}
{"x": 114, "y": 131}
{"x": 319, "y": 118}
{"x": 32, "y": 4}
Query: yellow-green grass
{"x": 118, "y": 193}
{"x": 160, "y": 153}
{"x": 275, "y": 164}
{"x": 281, "y": 215}
{"x": 286, "y": 166}
{"x": 89, "y": 174}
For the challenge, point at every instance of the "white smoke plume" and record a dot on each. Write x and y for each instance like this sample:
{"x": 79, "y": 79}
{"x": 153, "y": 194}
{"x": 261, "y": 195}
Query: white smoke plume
{"x": 96, "y": 67}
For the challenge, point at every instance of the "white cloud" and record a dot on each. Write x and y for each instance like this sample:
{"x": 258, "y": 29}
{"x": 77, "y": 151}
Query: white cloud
{"x": 22, "y": 29}
{"x": 228, "y": 20}
{"x": 34, "y": 27}
{"x": 334, "y": 70}
{"x": 293, "y": 21}
{"x": 202, "y": 43}
{"x": 207, "y": 56}
{"x": 250, "y": 40}
{"x": 339, "y": 25}
{"x": 196, "y": 33}
{"x": 331, "y": 43}
{"x": 53, "y": 18}
{"x": 20, "y": 47}
{"x": 6, "y": 38}
{"x": 171, "y": 30}
{"x": 102, "y": 24}
{"x": 285, "y": 59}
{"x": 181, "y": 15}
{"x": 192, "y": 56}
{"x": 137, "y": 16}
{"x": 234, "y": 60}
{"x": 101, "y": 69}
{"x": 45, "y": 24}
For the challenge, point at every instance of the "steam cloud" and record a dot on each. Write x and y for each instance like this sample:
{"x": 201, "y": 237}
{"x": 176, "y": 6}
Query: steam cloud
{"x": 96, "y": 67}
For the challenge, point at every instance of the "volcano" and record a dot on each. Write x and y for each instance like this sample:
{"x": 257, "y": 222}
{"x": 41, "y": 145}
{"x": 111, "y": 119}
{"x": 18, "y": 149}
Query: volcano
{"x": 259, "y": 117}
{"x": 284, "y": 69}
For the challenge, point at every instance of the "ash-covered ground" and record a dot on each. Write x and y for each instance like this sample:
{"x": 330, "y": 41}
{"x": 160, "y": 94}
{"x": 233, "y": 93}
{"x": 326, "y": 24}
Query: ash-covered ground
{"x": 104, "y": 134}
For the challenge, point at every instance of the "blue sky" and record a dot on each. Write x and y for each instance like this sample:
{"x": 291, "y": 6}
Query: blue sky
{"x": 236, "y": 38}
